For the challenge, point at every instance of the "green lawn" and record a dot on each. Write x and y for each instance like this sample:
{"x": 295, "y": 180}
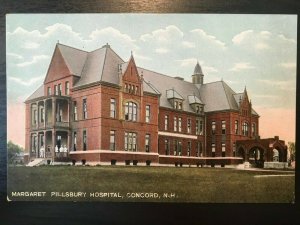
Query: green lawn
{"x": 181, "y": 184}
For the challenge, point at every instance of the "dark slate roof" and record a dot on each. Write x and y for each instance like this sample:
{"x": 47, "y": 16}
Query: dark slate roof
{"x": 162, "y": 83}
{"x": 194, "y": 99}
{"x": 101, "y": 65}
{"x": 74, "y": 58}
{"x": 37, "y": 94}
{"x": 198, "y": 69}
{"x": 217, "y": 96}
{"x": 172, "y": 93}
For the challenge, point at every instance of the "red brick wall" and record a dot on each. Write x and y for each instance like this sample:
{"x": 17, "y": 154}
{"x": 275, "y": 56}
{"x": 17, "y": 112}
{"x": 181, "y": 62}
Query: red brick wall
{"x": 230, "y": 137}
{"x": 57, "y": 68}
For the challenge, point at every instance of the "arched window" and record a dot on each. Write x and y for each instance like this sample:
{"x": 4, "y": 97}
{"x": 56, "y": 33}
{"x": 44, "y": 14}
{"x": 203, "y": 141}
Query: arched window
{"x": 245, "y": 129}
{"x": 275, "y": 155}
{"x": 131, "y": 111}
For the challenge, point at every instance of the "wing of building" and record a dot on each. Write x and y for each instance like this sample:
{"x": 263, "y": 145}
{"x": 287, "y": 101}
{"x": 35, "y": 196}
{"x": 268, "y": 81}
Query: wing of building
{"x": 94, "y": 107}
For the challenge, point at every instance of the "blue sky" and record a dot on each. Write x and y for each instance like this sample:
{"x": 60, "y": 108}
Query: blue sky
{"x": 256, "y": 51}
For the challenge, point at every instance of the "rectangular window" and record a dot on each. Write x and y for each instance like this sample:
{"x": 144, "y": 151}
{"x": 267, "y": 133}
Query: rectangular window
{"x": 234, "y": 149}
{"x": 175, "y": 147}
{"x": 74, "y": 141}
{"x": 199, "y": 149}
{"x": 223, "y": 126}
{"x": 236, "y": 127}
{"x": 213, "y": 149}
{"x": 167, "y": 147}
{"x": 179, "y": 105}
{"x": 42, "y": 115}
{"x": 67, "y": 88}
{"x": 113, "y": 108}
{"x": 189, "y": 125}
{"x": 34, "y": 116}
{"x": 147, "y": 142}
{"x": 179, "y": 148}
{"x": 130, "y": 141}
{"x": 179, "y": 124}
{"x": 49, "y": 91}
{"x": 199, "y": 127}
{"x": 147, "y": 113}
{"x": 176, "y": 105}
{"x": 55, "y": 90}
{"x": 189, "y": 148}
{"x": 175, "y": 123}
{"x": 131, "y": 111}
{"x": 75, "y": 110}
{"x": 112, "y": 144}
{"x": 84, "y": 108}
{"x": 213, "y": 127}
{"x": 166, "y": 122}
{"x": 223, "y": 149}
{"x": 253, "y": 130}
{"x": 59, "y": 89}
{"x": 84, "y": 138}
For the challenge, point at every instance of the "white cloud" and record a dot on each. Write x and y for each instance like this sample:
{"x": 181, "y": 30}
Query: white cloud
{"x": 241, "y": 37}
{"x": 188, "y": 62}
{"x": 59, "y": 27}
{"x": 163, "y": 35}
{"x": 209, "y": 69}
{"x": 112, "y": 33}
{"x": 258, "y": 40}
{"x": 288, "y": 65}
{"x": 262, "y": 40}
{"x": 14, "y": 55}
{"x": 212, "y": 39}
{"x": 241, "y": 66}
{"x": 282, "y": 85}
{"x": 26, "y": 82}
{"x": 261, "y": 46}
{"x": 30, "y": 45}
{"x": 284, "y": 38}
{"x": 188, "y": 44}
{"x": 162, "y": 50}
{"x": 265, "y": 96}
{"x": 34, "y": 60}
{"x": 141, "y": 57}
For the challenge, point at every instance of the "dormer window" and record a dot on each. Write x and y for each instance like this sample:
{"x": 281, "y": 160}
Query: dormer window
{"x": 196, "y": 104}
{"x": 175, "y": 99}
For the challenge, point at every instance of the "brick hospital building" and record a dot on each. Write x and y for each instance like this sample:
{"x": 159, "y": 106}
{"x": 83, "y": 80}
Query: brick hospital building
{"x": 96, "y": 108}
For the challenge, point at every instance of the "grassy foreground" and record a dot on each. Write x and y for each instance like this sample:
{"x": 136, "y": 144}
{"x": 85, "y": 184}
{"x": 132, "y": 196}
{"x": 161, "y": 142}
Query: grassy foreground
{"x": 161, "y": 184}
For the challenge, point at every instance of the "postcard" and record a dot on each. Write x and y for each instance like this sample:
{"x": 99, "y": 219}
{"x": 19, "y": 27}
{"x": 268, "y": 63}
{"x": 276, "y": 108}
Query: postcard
{"x": 151, "y": 107}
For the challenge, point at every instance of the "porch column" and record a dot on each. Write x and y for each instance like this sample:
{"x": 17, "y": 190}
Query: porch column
{"x": 38, "y": 116}
{"x": 69, "y": 142}
{"x": 53, "y": 145}
{"x": 53, "y": 111}
{"x": 45, "y": 115}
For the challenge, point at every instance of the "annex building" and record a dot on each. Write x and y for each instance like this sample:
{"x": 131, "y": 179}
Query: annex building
{"x": 96, "y": 108}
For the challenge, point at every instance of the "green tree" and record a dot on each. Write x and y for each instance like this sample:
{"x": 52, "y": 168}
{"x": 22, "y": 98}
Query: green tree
{"x": 12, "y": 151}
{"x": 292, "y": 149}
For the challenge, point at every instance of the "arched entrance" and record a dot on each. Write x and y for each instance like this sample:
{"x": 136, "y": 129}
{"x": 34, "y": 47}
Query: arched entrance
{"x": 256, "y": 156}
{"x": 241, "y": 153}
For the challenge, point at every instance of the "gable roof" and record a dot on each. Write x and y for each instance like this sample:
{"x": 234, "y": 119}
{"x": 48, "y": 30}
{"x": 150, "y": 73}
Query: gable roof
{"x": 74, "y": 58}
{"x": 37, "y": 94}
{"x": 217, "y": 96}
{"x": 101, "y": 65}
